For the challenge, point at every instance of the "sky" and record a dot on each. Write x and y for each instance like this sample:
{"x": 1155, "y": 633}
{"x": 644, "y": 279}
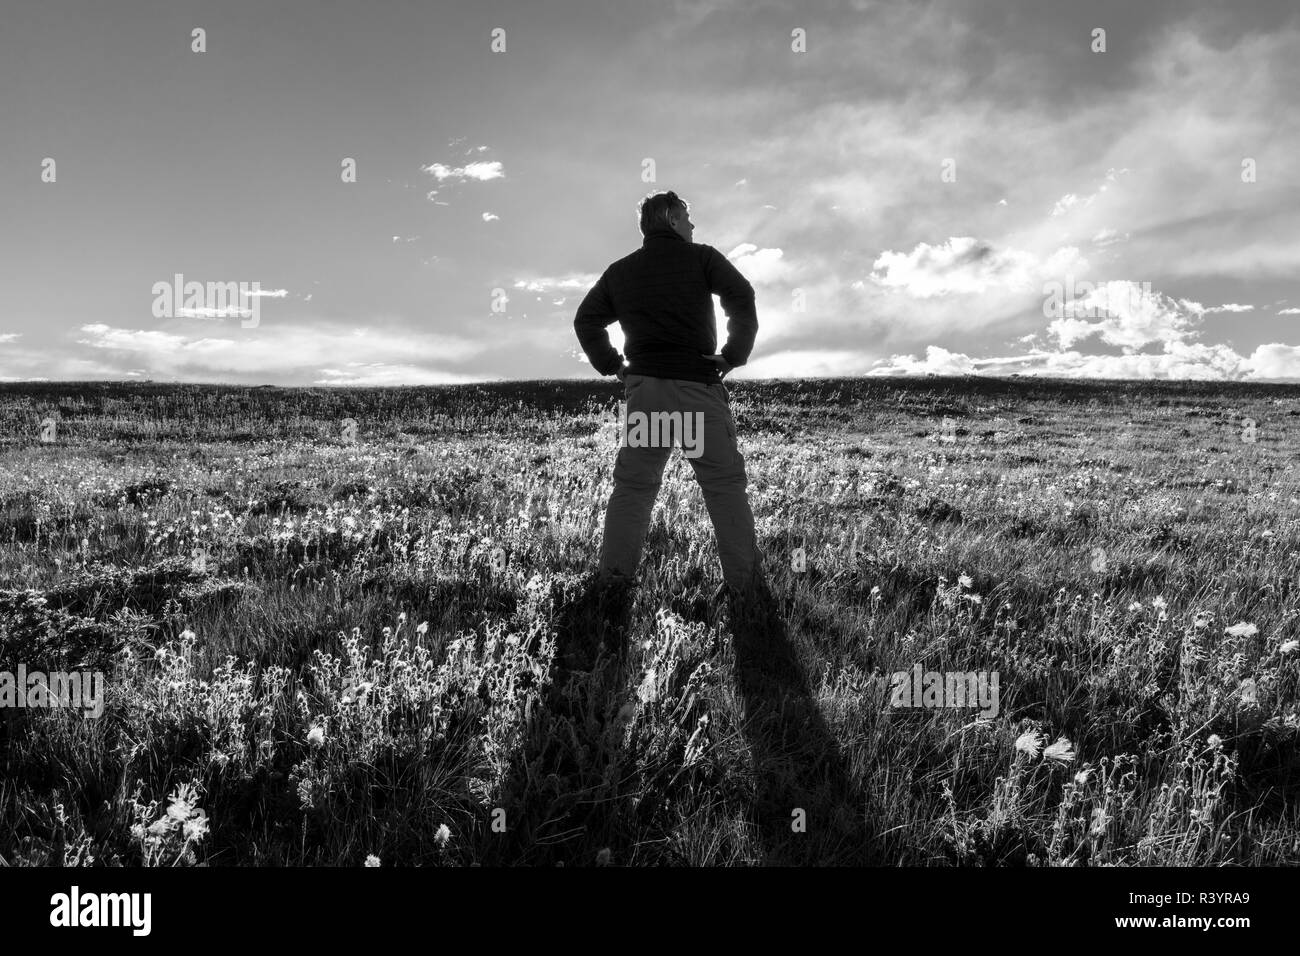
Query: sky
{"x": 975, "y": 186}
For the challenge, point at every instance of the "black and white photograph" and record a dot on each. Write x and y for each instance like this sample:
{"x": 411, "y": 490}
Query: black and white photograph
{"x": 694, "y": 435}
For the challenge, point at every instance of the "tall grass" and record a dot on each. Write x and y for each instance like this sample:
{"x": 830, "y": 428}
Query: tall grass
{"x": 323, "y": 650}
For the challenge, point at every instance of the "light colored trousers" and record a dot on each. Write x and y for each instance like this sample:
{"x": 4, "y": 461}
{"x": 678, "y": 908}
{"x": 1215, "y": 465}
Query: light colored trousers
{"x": 719, "y": 468}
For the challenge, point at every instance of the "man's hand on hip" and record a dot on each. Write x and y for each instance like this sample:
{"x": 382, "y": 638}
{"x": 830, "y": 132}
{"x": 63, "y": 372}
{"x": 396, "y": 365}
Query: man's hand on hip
{"x": 720, "y": 362}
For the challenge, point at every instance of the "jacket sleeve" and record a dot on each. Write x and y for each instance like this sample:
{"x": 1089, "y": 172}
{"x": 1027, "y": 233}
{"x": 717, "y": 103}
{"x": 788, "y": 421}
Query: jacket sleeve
{"x": 737, "y": 295}
{"x": 595, "y": 314}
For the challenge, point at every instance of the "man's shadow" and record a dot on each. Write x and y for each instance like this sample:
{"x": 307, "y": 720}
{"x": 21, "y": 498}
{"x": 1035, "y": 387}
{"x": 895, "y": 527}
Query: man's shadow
{"x": 564, "y": 784}
{"x": 808, "y": 810}
{"x": 562, "y": 791}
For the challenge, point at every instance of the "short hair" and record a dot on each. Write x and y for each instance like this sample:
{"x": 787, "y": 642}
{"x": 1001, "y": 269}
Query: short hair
{"x": 654, "y": 209}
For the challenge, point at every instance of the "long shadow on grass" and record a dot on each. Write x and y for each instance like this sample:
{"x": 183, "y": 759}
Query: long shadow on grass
{"x": 562, "y": 793}
{"x": 807, "y": 808}
{"x": 565, "y": 792}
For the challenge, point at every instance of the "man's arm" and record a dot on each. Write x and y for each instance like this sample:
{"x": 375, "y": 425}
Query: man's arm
{"x": 595, "y": 313}
{"x": 737, "y": 295}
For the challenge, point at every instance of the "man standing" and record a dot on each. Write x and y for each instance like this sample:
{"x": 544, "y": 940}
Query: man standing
{"x": 661, "y": 296}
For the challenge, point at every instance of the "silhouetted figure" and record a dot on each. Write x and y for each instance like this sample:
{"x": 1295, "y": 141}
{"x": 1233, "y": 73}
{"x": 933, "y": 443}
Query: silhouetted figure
{"x": 661, "y": 296}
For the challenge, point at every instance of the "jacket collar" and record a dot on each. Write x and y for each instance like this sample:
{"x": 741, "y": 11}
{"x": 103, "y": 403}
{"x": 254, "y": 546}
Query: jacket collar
{"x": 661, "y": 232}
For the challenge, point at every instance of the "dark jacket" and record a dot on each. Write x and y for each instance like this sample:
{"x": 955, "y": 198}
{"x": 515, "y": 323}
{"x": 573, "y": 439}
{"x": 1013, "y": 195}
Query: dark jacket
{"x": 661, "y": 295}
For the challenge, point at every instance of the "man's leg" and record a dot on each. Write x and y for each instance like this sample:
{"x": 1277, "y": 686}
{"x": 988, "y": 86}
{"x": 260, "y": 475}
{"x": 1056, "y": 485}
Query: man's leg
{"x": 637, "y": 475}
{"x": 720, "y": 470}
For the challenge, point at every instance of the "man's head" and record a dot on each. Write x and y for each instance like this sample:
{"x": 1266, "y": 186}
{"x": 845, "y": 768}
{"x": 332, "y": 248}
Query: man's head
{"x": 666, "y": 209}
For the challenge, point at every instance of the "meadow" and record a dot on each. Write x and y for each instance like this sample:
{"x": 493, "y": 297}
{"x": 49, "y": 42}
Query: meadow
{"x": 355, "y": 627}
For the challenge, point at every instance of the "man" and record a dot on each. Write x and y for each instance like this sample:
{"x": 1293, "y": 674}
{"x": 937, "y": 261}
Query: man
{"x": 661, "y": 296}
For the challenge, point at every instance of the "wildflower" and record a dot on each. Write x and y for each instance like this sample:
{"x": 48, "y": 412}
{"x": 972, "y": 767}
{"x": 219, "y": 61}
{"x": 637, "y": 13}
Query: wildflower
{"x": 1030, "y": 742}
{"x": 1082, "y": 777}
{"x": 1248, "y": 691}
{"x": 1158, "y": 603}
{"x": 196, "y": 828}
{"x": 1135, "y": 606}
{"x": 188, "y": 635}
{"x": 1215, "y": 741}
{"x": 443, "y": 835}
{"x": 316, "y": 736}
{"x": 1062, "y": 750}
{"x": 964, "y": 580}
{"x": 1289, "y": 646}
{"x": 1099, "y": 820}
{"x": 372, "y": 860}
{"x": 1241, "y": 629}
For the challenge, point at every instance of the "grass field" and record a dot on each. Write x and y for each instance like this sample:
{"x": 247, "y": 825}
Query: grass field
{"x": 327, "y": 641}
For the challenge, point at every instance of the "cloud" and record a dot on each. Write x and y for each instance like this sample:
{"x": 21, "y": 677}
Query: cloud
{"x": 806, "y": 363}
{"x": 1289, "y": 312}
{"x": 379, "y": 374}
{"x": 964, "y": 265}
{"x": 1070, "y": 200}
{"x": 489, "y": 216}
{"x": 760, "y": 266}
{"x": 1231, "y": 307}
{"x": 937, "y": 360}
{"x": 1275, "y": 360}
{"x": 481, "y": 171}
{"x": 1129, "y": 315}
{"x": 1126, "y": 313}
{"x": 275, "y": 352}
{"x": 1108, "y": 237}
{"x": 543, "y": 284}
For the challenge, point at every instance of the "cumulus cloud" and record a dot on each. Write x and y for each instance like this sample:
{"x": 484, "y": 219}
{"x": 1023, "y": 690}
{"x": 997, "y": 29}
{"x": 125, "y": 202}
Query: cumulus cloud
{"x": 965, "y": 265}
{"x": 1275, "y": 360}
{"x": 1157, "y": 334}
{"x": 1121, "y": 313}
{"x": 938, "y": 361}
{"x": 760, "y": 266}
